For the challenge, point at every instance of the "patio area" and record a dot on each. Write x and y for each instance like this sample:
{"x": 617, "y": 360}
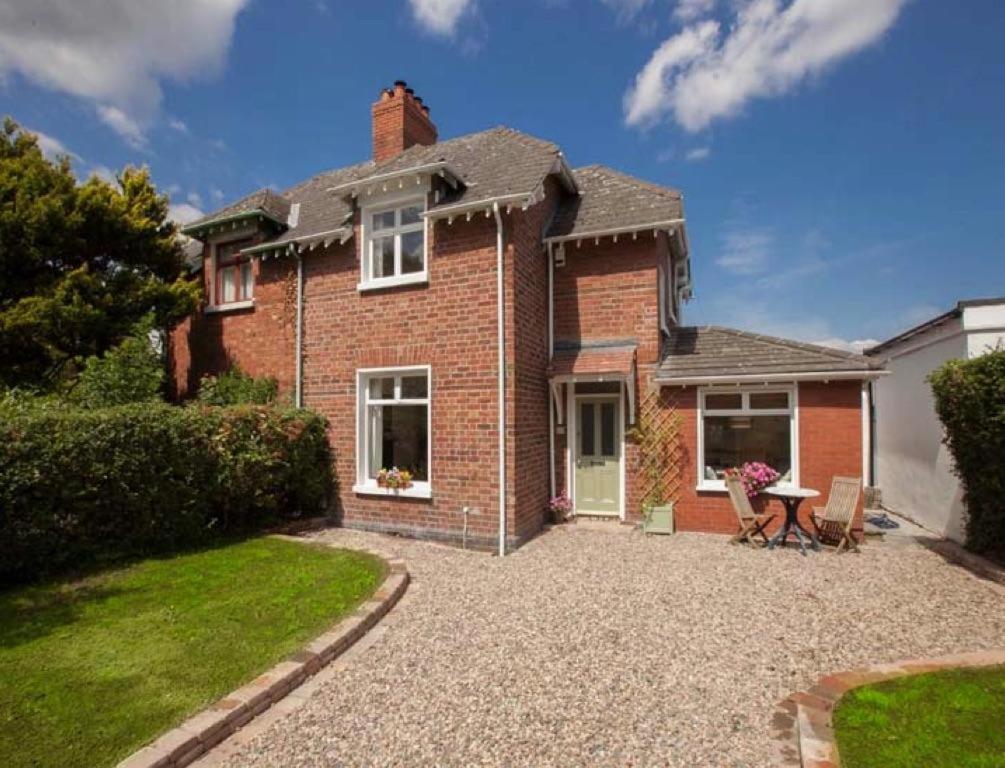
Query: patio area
{"x": 594, "y": 644}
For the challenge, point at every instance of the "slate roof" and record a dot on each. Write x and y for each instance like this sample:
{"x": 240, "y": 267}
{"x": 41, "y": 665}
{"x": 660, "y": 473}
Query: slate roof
{"x": 265, "y": 201}
{"x": 707, "y": 351}
{"x": 611, "y": 359}
{"x": 489, "y": 164}
{"x": 612, "y": 200}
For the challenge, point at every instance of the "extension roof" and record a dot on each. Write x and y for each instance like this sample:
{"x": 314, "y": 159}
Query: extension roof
{"x": 712, "y": 352}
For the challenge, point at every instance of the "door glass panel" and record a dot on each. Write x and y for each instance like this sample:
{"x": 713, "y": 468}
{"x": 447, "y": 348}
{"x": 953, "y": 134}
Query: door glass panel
{"x": 586, "y": 429}
{"x": 607, "y": 428}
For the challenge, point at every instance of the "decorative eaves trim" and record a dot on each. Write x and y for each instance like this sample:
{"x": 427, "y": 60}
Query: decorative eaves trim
{"x": 615, "y": 231}
{"x": 207, "y": 227}
{"x": 442, "y": 169}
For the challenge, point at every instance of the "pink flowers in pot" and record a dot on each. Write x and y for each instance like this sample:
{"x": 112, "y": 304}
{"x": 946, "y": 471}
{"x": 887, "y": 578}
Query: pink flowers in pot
{"x": 560, "y": 507}
{"x": 755, "y": 475}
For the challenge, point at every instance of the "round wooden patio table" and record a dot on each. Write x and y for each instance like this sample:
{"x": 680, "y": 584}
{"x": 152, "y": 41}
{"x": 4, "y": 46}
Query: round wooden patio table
{"x": 792, "y": 497}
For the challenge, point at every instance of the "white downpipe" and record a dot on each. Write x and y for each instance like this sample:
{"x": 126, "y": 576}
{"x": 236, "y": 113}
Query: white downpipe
{"x": 551, "y": 354}
{"x": 299, "y": 360}
{"x": 500, "y": 343}
{"x": 866, "y": 435}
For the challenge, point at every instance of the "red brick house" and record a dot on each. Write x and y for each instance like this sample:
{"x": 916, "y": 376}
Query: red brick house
{"x": 459, "y": 308}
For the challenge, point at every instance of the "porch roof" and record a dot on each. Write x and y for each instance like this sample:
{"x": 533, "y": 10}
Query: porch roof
{"x": 607, "y": 359}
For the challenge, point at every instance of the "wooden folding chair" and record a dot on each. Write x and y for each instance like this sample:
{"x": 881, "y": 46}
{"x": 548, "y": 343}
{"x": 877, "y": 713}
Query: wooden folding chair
{"x": 751, "y": 523}
{"x": 834, "y": 521}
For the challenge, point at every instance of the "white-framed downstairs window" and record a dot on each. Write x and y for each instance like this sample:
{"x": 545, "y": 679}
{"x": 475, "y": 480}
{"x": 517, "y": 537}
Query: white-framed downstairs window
{"x": 394, "y": 244}
{"x": 394, "y": 430}
{"x": 747, "y": 424}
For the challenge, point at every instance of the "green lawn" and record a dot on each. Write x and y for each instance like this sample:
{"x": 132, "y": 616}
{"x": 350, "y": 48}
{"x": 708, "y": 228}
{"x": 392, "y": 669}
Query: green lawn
{"x": 942, "y": 719}
{"x": 90, "y": 670}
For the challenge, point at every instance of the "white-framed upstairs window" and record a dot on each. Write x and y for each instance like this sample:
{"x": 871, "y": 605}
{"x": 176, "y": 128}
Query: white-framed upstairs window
{"x": 738, "y": 425}
{"x": 394, "y": 244}
{"x": 394, "y": 429}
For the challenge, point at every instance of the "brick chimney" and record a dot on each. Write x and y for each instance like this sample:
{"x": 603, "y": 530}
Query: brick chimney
{"x": 400, "y": 119}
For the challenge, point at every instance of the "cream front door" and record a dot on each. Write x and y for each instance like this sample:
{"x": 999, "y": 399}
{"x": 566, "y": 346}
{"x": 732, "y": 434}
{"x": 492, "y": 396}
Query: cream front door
{"x": 598, "y": 455}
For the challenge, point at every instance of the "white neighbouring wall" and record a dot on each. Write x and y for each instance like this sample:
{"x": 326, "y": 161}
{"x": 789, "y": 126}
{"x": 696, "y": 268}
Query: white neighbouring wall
{"x": 913, "y": 469}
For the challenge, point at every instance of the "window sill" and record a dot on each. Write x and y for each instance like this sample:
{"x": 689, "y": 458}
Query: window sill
{"x": 234, "y": 306}
{"x": 416, "y": 491}
{"x": 418, "y": 278}
{"x": 718, "y": 486}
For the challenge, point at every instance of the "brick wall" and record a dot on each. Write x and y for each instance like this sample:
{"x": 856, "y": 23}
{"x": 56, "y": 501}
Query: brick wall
{"x": 260, "y": 339}
{"x": 399, "y": 121}
{"x": 830, "y": 443}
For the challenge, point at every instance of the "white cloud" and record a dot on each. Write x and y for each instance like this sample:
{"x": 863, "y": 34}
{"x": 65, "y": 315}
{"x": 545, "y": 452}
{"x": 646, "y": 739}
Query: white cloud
{"x": 746, "y": 252}
{"x": 857, "y": 345}
{"x": 123, "y": 125}
{"x": 183, "y": 213}
{"x": 698, "y": 153}
{"x": 689, "y": 10}
{"x": 440, "y": 17}
{"x": 178, "y": 125}
{"x": 115, "y": 53}
{"x": 626, "y": 10}
{"x": 700, "y": 75}
{"x": 103, "y": 172}
{"x": 195, "y": 199}
{"x": 217, "y": 195}
{"x": 51, "y": 146}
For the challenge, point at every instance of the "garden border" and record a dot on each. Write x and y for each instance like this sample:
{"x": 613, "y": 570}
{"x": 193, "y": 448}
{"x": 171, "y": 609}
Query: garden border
{"x": 802, "y": 729}
{"x": 198, "y": 734}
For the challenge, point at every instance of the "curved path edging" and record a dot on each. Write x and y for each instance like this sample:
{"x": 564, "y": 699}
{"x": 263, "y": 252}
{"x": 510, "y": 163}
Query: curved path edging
{"x": 193, "y": 738}
{"x": 802, "y": 727}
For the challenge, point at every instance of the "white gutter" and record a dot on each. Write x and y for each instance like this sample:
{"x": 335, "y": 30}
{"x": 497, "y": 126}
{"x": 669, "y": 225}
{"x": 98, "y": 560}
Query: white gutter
{"x": 614, "y": 231}
{"x": 757, "y": 378}
{"x": 500, "y": 343}
{"x": 299, "y": 358}
{"x": 299, "y": 240}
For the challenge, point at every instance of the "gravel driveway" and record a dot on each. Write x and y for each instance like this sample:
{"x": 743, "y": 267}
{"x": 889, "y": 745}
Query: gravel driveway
{"x": 595, "y": 645}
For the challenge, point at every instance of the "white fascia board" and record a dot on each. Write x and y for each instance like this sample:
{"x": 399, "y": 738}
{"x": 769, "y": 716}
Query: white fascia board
{"x": 459, "y": 209}
{"x": 757, "y": 378}
{"x": 429, "y": 169}
{"x": 304, "y": 240}
{"x": 616, "y": 231}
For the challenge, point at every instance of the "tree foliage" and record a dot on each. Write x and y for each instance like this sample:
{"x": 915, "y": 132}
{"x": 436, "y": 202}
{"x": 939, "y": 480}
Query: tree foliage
{"x": 970, "y": 401}
{"x": 131, "y": 372}
{"x": 235, "y": 387}
{"x": 80, "y": 263}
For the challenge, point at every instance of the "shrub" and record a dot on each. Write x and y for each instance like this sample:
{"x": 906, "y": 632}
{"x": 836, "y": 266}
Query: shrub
{"x": 132, "y": 372}
{"x": 237, "y": 388}
{"x": 83, "y": 485}
{"x": 970, "y": 401}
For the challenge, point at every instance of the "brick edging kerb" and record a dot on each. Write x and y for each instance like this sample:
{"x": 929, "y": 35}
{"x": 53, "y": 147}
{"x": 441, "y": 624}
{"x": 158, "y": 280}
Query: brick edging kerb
{"x": 802, "y": 728}
{"x": 203, "y": 731}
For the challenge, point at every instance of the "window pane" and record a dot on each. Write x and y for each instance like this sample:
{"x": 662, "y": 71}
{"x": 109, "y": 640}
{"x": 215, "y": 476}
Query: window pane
{"x": 722, "y": 402}
{"x": 228, "y": 287}
{"x": 764, "y": 400}
{"x": 383, "y": 220}
{"x": 403, "y": 440}
{"x": 410, "y": 215}
{"x": 586, "y": 429}
{"x": 412, "y": 252}
{"x": 732, "y": 440}
{"x": 607, "y": 429}
{"x": 382, "y": 388}
{"x": 413, "y": 387}
{"x": 247, "y": 280}
{"x": 383, "y": 256}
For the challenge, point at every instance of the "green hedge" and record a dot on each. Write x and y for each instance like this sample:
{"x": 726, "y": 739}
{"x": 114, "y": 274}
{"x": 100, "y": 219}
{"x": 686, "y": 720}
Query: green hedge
{"x": 970, "y": 401}
{"x": 83, "y": 485}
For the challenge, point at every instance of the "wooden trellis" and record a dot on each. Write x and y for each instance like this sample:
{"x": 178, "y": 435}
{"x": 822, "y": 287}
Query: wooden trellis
{"x": 657, "y": 432}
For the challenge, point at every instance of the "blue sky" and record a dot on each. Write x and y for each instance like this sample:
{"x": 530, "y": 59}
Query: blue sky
{"x": 842, "y": 161}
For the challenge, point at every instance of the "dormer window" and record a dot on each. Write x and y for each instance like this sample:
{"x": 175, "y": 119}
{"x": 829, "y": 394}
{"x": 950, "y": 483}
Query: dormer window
{"x": 394, "y": 244}
{"x": 234, "y": 277}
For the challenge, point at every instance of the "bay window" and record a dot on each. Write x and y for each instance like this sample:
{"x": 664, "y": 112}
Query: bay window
{"x": 394, "y": 246}
{"x": 394, "y": 428}
{"x": 740, "y": 425}
{"x": 234, "y": 277}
